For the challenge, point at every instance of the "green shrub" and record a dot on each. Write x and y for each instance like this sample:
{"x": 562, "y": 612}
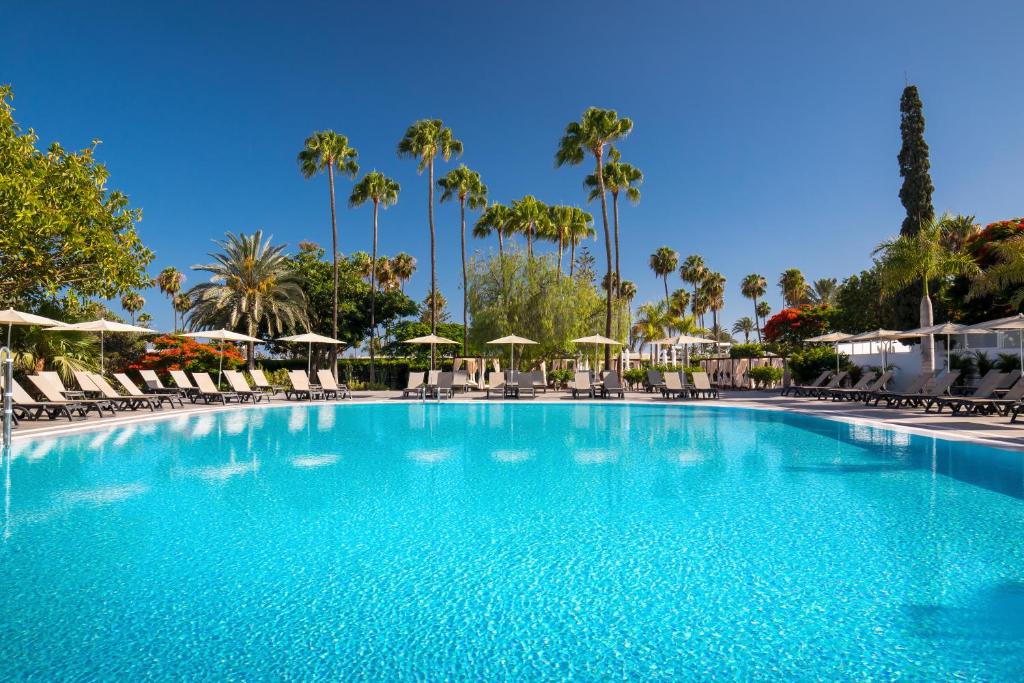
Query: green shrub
{"x": 1008, "y": 362}
{"x": 635, "y": 377}
{"x": 746, "y": 351}
{"x": 560, "y": 377}
{"x": 765, "y": 376}
{"x": 805, "y": 365}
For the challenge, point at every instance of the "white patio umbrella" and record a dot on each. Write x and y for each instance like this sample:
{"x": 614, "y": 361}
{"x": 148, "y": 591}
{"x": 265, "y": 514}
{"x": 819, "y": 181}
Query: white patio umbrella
{"x": 222, "y": 336}
{"x": 947, "y": 329}
{"x": 433, "y": 340}
{"x": 597, "y": 340}
{"x": 878, "y": 335}
{"x": 311, "y": 338}
{"x": 831, "y": 338}
{"x": 684, "y": 340}
{"x": 1017, "y": 325}
{"x": 11, "y": 317}
{"x": 512, "y": 340}
{"x": 102, "y": 326}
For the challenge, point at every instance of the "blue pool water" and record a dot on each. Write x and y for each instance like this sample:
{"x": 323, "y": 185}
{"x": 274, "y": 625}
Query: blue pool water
{"x": 488, "y": 541}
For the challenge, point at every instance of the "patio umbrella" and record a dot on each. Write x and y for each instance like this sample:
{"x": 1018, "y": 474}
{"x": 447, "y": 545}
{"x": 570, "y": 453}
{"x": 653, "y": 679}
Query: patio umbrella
{"x": 310, "y": 338}
{"x": 102, "y": 326}
{"x": 947, "y": 329}
{"x": 512, "y": 340}
{"x": 11, "y": 317}
{"x": 1014, "y": 325}
{"x": 832, "y": 338}
{"x": 597, "y": 340}
{"x": 222, "y": 336}
{"x": 878, "y": 335}
{"x": 433, "y": 340}
{"x": 684, "y": 340}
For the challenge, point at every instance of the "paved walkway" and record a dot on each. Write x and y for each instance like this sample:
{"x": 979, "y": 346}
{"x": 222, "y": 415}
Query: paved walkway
{"x": 993, "y": 430}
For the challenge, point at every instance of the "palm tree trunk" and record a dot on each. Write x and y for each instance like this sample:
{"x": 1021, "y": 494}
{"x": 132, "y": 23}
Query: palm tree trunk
{"x": 433, "y": 262}
{"x": 927, "y": 343}
{"x": 561, "y": 249}
{"x": 665, "y": 278}
{"x": 618, "y": 273}
{"x": 572, "y": 257}
{"x": 757, "y": 321}
{"x": 608, "y": 255}
{"x": 529, "y": 241}
{"x": 501, "y": 245}
{"x": 373, "y": 294}
{"x": 465, "y": 280}
{"x": 334, "y": 260}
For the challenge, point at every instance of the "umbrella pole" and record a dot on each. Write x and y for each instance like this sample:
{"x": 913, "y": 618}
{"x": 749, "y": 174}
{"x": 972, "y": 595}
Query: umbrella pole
{"x": 9, "y": 326}
{"x": 309, "y": 359}
{"x": 220, "y": 366}
{"x": 101, "y": 353}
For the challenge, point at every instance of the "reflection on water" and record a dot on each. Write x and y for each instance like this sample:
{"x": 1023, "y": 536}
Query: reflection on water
{"x": 307, "y": 462}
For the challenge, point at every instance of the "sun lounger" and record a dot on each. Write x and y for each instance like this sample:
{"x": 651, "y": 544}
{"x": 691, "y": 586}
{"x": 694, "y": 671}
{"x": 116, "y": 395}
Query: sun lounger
{"x": 796, "y": 389}
{"x": 916, "y": 386}
{"x": 50, "y": 386}
{"x": 301, "y": 388}
{"x": 581, "y": 385}
{"x": 860, "y": 394}
{"x": 538, "y": 381}
{"x": 414, "y": 386}
{"x": 834, "y": 382}
{"x": 673, "y": 386}
{"x": 985, "y": 390}
{"x": 654, "y": 381}
{"x": 612, "y": 386}
{"x": 1003, "y": 405}
{"x": 155, "y": 386}
{"x": 496, "y": 383}
{"x": 208, "y": 391}
{"x": 462, "y": 382}
{"x": 330, "y": 386}
{"x": 523, "y": 387}
{"x": 133, "y": 390}
{"x": 839, "y": 392}
{"x": 259, "y": 381}
{"x": 121, "y": 402}
{"x": 34, "y": 409}
{"x": 702, "y": 386}
{"x": 185, "y": 384}
{"x": 938, "y": 386}
{"x": 86, "y": 385}
{"x": 236, "y": 380}
{"x": 443, "y": 386}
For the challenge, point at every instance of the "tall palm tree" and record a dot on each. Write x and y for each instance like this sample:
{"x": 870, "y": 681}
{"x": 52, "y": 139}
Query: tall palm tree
{"x": 744, "y": 326}
{"x": 530, "y": 218}
{"x": 763, "y": 310}
{"x": 923, "y": 258}
{"x": 252, "y": 286}
{"x": 714, "y": 289}
{"x": 957, "y": 231}
{"x": 133, "y": 303}
{"x": 753, "y": 287}
{"x": 403, "y": 266}
{"x": 169, "y": 281}
{"x": 326, "y": 150}
{"x": 823, "y": 291}
{"x": 464, "y": 185}
{"x": 793, "y": 287}
{"x": 618, "y": 177}
{"x": 597, "y": 129}
{"x": 581, "y": 228}
{"x": 182, "y": 304}
{"x": 693, "y": 271}
{"x": 383, "y": 192}
{"x": 425, "y": 141}
{"x": 652, "y": 322}
{"x": 495, "y": 218}
{"x": 663, "y": 262}
{"x": 559, "y": 219}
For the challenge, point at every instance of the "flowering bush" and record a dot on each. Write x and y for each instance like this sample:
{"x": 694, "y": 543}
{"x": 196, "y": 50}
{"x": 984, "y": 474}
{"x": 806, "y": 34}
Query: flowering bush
{"x": 980, "y": 246}
{"x": 185, "y": 353}
{"x": 791, "y": 326}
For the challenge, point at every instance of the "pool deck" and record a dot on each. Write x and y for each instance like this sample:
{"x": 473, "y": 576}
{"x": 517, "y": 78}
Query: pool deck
{"x": 996, "y": 431}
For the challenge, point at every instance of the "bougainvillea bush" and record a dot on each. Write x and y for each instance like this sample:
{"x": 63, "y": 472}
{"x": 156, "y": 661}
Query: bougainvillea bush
{"x": 185, "y": 353}
{"x": 789, "y": 327}
{"x": 980, "y": 245}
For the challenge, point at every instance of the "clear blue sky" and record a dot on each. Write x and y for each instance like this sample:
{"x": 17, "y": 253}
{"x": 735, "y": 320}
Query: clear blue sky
{"x": 768, "y": 132}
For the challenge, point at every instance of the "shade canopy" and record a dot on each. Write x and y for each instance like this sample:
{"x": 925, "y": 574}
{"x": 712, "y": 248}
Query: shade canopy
{"x": 512, "y": 339}
{"x": 13, "y": 317}
{"x": 683, "y": 339}
{"x": 998, "y": 322}
{"x": 831, "y": 337}
{"x": 310, "y": 338}
{"x": 101, "y": 325}
{"x": 877, "y": 335}
{"x": 430, "y": 339}
{"x": 596, "y": 339}
{"x": 222, "y": 335}
{"x": 1009, "y": 325}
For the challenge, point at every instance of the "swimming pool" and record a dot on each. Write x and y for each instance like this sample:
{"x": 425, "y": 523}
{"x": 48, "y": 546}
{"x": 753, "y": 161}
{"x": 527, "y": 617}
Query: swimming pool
{"x": 505, "y": 541}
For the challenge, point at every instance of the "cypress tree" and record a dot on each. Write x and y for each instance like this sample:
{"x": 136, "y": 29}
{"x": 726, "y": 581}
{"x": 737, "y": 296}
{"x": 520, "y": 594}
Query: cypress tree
{"x": 916, "y": 192}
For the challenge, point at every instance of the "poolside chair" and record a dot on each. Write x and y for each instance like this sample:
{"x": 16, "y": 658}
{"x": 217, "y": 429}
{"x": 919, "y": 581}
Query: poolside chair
{"x": 702, "y": 386}
{"x": 654, "y": 382}
{"x": 330, "y": 386}
{"x": 915, "y": 386}
{"x": 818, "y": 382}
{"x": 236, "y": 380}
{"x": 301, "y": 387}
{"x": 496, "y": 383}
{"x": 834, "y": 382}
{"x": 86, "y": 385}
{"x": 259, "y": 381}
{"x": 443, "y": 386}
{"x": 55, "y": 380}
{"x": 461, "y": 381}
{"x": 613, "y": 386}
{"x": 1003, "y": 405}
{"x": 525, "y": 385}
{"x": 855, "y": 394}
{"x": 580, "y": 384}
{"x": 34, "y": 409}
{"x": 120, "y": 401}
{"x": 208, "y": 391}
{"x": 133, "y": 390}
{"x": 155, "y": 386}
{"x": 50, "y": 386}
{"x": 674, "y": 387}
{"x": 837, "y": 393}
{"x": 937, "y": 386}
{"x": 185, "y": 384}
{"x": 985, "y": 390}
{"x": 414, "y": 385}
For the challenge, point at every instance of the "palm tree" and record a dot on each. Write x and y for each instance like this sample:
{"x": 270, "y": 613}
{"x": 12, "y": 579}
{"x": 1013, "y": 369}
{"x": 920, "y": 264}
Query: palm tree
{"x": 465, "y": 185}
{"x": 424, "y": 141}
{"x": 651, "y": 324}
{"x": 618, "y": 177}
{"x": 145, "y": 319}
{"x": 762, "y": 311}
{"x": 382, "y": 191}
{"x": 560, "y": 220}
{"x": 133, "y": 303}
{"x": 252, "y": 286}
{"x": 957, "y": 231}
{"x": 403, "y": 266}
{"x": 581, "y": 228}
{"x": 326, "y": 150}
{"x": 823, "y": 291}
{"x": 169, "y": 281}
{"x": 923, "y": 257}
{"x": 754, "y": 287}
{"x": 678, "y": 302}
{"x": 182, "y": 304}
{"x": 496, "y": 218}
{"x": 693, "y": 271}
{"x": 530, "y": 218}
{"x": 714, "y": 289}
{"x": 597, "y": 129}
{"x": 664, "y": 261}
{"x": 1005, "y": 273}
{"x": 744, "y": 326}
{"x": 793, "y": 287}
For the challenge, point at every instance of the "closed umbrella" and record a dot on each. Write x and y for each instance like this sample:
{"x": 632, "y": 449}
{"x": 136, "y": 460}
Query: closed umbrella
{"x": 512, "y": 340}
{"x": 102, "y": 326}
{"x": 432, "y": 340}
{"x": 222, "y": 336}
{"x": 311, "y": 338}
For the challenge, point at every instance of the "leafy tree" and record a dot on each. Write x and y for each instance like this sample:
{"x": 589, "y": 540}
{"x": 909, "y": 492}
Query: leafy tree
{"x": 824, "y": 291}
{"x": 251, "y": 286}
{"x": 916, "y": 192}
{"x": 382, "y": 191}
{"x": 464, "y": 185}
{"x": 328, "y": 151}
{"x": 61, "y": 230}
{"x": 583, "y": 266}
{"x": 597, "y": 129}
{"x": 754, "y": 287}
{"x": 169, "y": 281}
{"x": 744, "y": 326}
{"x": 618, "y": 177}
{"x": 793, "y": 287}
{"x": 1004, "y": 275}
{"x": 409, "y": 329}
{"x": 663, "y": 262}
{"x": 424, "y": 141}
{"x": 693, "y": 272}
